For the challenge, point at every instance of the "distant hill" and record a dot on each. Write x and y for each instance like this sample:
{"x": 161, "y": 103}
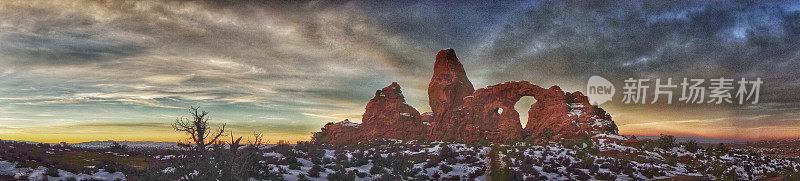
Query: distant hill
{"x": 134, "y": 144}
{"x": 105, "y": 144}
{"x": 697, "y": 139}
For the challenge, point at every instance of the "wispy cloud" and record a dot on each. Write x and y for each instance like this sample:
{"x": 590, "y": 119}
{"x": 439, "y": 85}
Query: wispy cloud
{"x": 308, "y": 63}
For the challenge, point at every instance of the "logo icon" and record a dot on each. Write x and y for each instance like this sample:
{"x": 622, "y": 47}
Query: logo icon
{"x": 599, "y": 90}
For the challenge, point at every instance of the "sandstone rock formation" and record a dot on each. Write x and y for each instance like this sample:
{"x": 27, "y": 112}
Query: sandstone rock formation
{"x": 388, "y": 116}
{"x": 340, "y": 133}
{"x": 488, "y": 114}
{"x": 564, "y": 115}
{"x": 461, "y": 113}
{"x": 449, "y": 84}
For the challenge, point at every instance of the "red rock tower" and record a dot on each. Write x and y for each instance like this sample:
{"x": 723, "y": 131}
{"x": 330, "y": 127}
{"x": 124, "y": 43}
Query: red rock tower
{"x": 462, "y": 113}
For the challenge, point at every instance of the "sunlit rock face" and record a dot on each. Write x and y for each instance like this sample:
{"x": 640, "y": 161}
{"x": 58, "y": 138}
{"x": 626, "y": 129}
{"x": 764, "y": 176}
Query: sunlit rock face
{"x": 488, "y": 114}
{"x": 461, "y": 113}
{"x": 342, "y": 132}
{"x": 449, "y": 84}
{"x": 388, "y": 116}
{"x": 559, "y": 115}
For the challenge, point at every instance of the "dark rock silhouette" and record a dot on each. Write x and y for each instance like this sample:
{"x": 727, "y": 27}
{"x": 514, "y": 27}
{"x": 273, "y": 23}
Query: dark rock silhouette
{"x": 461, "y": 113}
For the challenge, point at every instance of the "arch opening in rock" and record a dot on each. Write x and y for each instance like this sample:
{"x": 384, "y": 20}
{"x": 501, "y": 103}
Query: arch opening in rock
{"x": 495, "y": 113}
{"x": 522, "y": 106}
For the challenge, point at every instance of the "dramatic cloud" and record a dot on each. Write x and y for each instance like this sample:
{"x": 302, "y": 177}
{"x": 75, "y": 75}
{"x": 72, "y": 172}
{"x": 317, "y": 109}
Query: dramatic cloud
{"x": 286, "y": 68}
{"x": 569, "y": 41}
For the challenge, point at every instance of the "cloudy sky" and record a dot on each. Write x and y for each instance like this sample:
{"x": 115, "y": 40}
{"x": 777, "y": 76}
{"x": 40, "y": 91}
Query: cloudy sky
{"x": 124, "y": 70}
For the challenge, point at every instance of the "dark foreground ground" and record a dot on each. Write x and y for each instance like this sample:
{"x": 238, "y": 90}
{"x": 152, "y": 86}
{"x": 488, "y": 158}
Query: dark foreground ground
{"x": 603, "y": 157}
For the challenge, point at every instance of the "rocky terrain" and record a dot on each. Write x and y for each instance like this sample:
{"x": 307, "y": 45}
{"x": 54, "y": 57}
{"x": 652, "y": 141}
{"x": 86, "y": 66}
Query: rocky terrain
{"x": 601, "y": 157}
{"x": 781, "y": 147}
{"x": 459, "y": 112}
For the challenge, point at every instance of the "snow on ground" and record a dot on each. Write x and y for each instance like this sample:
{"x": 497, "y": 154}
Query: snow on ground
{"x": 388, "y": 159}
{"x": 10, "y": 169}
{"x": 600, "y": 157}
{"x": 606, "y": 159}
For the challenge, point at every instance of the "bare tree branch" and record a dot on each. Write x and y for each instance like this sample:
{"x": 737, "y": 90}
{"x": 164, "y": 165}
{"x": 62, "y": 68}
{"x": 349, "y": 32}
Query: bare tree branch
{"x": 258, "y": 139}
{"x": 197, "y": 129}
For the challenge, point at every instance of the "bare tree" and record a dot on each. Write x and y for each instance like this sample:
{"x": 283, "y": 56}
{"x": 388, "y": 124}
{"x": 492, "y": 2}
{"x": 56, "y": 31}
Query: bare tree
{"x": 235, "y": 143}
{"x": 198, "y": 130}
{"x": 258, "y": 139}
